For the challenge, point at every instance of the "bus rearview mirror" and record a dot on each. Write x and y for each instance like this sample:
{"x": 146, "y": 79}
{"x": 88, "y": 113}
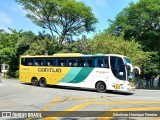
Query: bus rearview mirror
{"x": 137, "y": 70}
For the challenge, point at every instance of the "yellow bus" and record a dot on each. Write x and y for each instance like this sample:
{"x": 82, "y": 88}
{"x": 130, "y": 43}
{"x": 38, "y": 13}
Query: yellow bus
{"x": 97, "y": 71}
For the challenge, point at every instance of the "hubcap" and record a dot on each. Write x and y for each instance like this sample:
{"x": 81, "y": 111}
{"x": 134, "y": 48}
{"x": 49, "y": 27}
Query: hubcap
{"x": 101, "y": 87}
{"x": 43, "y": 81}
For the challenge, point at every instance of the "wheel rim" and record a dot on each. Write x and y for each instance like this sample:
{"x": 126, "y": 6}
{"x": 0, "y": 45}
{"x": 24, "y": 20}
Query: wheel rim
{"x": 34, "y": 82}
{"x": 101, "y": 87}
{"x": 43, "y": 81}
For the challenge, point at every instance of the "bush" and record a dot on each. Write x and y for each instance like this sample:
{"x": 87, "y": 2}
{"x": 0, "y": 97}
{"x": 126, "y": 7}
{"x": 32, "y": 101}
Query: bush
{"x": 17, "y": 74}
{"x": 13, "y": 74}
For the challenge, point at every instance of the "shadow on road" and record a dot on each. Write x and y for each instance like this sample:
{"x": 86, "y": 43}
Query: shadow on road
{"x": 81, "y": 89}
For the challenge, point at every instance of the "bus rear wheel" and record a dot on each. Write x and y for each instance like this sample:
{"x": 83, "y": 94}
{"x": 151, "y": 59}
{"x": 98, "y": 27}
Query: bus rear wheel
{"x": 34, "y": 81}
{"x": 101, "y": 87}
{"x": 42, "y": 82}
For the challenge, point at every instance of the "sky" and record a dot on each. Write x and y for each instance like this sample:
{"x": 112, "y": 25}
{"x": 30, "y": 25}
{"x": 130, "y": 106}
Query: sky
{"x": 12, "y": 14}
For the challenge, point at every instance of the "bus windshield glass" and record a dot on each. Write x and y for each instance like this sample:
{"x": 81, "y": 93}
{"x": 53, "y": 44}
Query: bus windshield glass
{"x": 127, "y": 60}
{"x": 131, "y": 75}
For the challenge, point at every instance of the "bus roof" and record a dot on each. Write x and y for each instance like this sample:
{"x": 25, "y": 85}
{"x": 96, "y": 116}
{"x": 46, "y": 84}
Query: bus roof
{"x": 74, "y": 55}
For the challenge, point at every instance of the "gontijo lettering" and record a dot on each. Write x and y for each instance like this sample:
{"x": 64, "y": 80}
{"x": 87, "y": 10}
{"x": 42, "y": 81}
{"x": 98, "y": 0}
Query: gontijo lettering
{"x": 49, "y": 70}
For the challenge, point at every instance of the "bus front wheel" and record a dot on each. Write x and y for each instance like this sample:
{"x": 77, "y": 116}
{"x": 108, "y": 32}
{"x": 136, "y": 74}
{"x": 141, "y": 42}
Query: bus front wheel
{"x": 42, "y": 82}
{"x": 34, "y": 81}
{"x": 101, "y": 87}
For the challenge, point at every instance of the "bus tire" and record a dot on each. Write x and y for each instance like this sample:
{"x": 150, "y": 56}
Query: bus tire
{"x": 42, "y": 82}
{"x": 34, "y": 81}
{"x": 101, "y": 87}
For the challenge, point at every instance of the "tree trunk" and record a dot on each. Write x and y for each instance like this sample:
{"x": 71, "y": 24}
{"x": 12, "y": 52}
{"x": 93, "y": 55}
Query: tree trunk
{"x": 147, "y": 84}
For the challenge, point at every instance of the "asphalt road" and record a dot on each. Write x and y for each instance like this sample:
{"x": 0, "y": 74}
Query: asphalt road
{"x": 52, "y": 102}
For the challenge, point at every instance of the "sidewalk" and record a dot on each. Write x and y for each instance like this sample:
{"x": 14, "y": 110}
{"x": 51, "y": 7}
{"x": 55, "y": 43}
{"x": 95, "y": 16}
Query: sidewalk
{"x": 1, "y": 83}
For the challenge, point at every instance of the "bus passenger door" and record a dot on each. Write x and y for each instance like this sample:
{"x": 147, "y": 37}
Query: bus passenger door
{"x": 119, "y": 72}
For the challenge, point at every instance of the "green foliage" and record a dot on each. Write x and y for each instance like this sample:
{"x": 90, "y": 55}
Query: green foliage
{"x": 24, "y": 41}
{"x": 41, "y": 47}
{"x": 142, "y": 22}
{"x": 65, "y": 18}
{"x": 43, "y": 44}
{"x": 9, "y": 52}
{"x": 80, "y": 46}
{"x": 7, "y": 43}
{"x": 109, "y": 44}
{"x": 17, "y": 43}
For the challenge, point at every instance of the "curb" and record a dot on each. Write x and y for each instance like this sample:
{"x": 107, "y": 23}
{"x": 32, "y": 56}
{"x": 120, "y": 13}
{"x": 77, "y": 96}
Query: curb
{"x": 147, "y": 90}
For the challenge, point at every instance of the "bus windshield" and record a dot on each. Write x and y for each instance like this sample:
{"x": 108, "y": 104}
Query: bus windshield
{"x": 131, "y": 75}
{"x": 127, "y": 60}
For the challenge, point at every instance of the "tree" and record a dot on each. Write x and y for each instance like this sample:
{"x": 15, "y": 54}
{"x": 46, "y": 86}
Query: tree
{"x": 7, "y": 45}
{"x": 80, "y": 46}
{"x": 141, "y": 21}
{"x": 24, "y": 42}
{"x": 17, "y": 43}
{"x": 110, "y": 44}
{"x": 65, "y": 18}
{"x": 43, "y": 44}
{"x": 8, "y": 53}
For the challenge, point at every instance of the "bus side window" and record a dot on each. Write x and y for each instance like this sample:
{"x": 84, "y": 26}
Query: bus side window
{"x": 38, "y": 62}
{"x": 100, "y": 63}
{"x": 85, "y": 64}
{"x": 95, "y": 61}
{"x": 30, "y": 62}
{"x": 72, "y": 62}
{"x": 90, "y": 62}
{"x": 49, "y": 62}
{"x": 62, "y": 62}
{"x": 113, "y": 62}
{"x": 75, "y": 64}
{"x": 24, "y": 61}
{"x": 80, "y": 62}
{"x": 42, "y": 63}
{"x": 106, "y": 62}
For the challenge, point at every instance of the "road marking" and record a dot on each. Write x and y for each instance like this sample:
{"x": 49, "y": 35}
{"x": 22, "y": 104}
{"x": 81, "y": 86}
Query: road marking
{"x": 69, "y": 110}
{"x": 82, "y": 105}
{"x": 51, "y": 104}
{"x": 67, "y": 98}
{"x": 109, "y": 113}
{"x": 54, "y": 101}
{"x": 125, "y": 102}
{"x": 77, "y": 98}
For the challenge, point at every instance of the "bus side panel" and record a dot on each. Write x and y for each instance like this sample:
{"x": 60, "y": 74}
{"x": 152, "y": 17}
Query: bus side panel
{"x": 98, "y": 74}
{"x": 24, "y": 74}
{"x": 58, "y": 75}
{"x": 76, "y": 77}
{"x": 69, "y": 78}
{"x": 23, "y": 77}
